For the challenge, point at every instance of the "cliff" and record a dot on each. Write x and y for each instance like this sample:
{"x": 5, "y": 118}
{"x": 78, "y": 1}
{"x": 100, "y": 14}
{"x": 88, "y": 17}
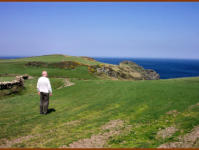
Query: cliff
{"x": 125, "y": 70}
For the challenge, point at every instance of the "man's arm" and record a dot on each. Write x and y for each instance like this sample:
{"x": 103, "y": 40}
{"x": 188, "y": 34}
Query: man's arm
{"x": 49, "y": 88}
{"x": 38, "y": 87}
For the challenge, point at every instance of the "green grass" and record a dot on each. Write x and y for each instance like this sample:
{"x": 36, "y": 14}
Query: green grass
{"x": 2, "y": 79}
{"x": 53, "y": 58}
{"x": 15, "y": 68}
{"x": 94, "y": 102}
{"x": 18, "y": 66}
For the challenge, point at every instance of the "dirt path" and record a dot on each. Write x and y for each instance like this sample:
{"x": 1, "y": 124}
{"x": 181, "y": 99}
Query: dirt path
{"x": 189, "y": 140}
{"x": 112, "y": 128}
{"x": 166, "y": 133}
{"x": 7, "y": 143}
{"x": 4, "y": 143}
{"x": 67, "y": 83}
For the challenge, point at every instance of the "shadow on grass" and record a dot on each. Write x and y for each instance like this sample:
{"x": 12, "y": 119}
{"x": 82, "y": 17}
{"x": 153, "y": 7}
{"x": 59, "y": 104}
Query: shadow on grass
{"x": 51, "y": 110}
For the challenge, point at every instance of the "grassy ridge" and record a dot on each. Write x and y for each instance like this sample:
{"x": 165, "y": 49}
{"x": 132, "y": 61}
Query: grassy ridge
{"x": 20, "y": 68}
{"x": 53, "y": 58}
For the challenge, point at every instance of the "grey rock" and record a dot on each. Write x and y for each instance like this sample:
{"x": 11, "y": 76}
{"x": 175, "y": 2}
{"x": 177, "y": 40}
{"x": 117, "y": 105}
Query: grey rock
{"x": 126, "y": 70}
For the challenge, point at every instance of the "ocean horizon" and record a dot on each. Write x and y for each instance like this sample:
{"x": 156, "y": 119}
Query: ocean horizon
{"x": 167, "y": 67}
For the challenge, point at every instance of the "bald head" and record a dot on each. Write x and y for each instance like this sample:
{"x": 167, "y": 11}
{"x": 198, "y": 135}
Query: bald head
{"x": 44, "y": 73}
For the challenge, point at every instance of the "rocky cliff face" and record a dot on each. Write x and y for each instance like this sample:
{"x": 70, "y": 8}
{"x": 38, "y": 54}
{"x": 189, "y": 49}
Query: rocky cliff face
{"x": 125, "y": 70}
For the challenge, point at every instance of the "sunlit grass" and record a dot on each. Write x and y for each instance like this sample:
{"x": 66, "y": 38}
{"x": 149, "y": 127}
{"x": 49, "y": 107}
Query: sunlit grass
{"x": 91, "y": 103}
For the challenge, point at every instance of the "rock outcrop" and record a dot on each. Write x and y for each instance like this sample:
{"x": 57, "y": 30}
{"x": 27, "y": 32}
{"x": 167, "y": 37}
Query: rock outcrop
{"x": 125, "y": 70}
{"x": 88, "y": 58}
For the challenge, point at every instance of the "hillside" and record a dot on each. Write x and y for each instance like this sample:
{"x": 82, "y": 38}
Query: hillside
{"x": 19, "y": 66}
{"x": 94, "y": 111}
{"x": 75, "y": 67}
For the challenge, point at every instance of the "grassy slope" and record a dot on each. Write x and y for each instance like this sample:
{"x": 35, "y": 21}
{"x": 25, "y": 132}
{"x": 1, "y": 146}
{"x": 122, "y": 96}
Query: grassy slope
{"x": 142, "y": 104}
{"x": 20, "y": 68}
{"x": 53, "y": 58}
{"x": 2, "y": 79}
{"x": 17, "y": 66}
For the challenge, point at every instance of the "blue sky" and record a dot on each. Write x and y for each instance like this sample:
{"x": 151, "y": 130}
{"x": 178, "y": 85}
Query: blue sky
{"x": 154, "y": 30}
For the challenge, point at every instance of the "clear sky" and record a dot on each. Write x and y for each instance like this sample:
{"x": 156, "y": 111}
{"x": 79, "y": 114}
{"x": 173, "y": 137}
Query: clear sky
{"x": 160, "y": 30}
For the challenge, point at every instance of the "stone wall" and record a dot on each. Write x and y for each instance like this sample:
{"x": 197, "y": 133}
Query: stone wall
{"x": 10, "y": 84}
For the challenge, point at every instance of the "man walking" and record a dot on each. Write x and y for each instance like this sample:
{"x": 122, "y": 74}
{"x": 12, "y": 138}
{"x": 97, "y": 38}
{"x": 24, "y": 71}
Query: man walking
{"x": 44, "y": 90}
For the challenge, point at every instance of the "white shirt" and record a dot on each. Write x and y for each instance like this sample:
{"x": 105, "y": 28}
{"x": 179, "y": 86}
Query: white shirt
{"x": 43, "y": 85}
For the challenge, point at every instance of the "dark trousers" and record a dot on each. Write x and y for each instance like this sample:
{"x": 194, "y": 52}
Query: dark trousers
{"x": 44, "y": 102}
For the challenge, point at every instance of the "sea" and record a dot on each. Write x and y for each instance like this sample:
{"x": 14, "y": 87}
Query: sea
{"x": 167, "y": 68}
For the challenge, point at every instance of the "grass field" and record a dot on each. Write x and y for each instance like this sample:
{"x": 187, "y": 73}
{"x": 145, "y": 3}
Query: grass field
{"x": 80, "y": 111}
{"x": 2, "y": 79}
{"x": 15, "y": 68}
{"x": 53, "y": 58}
